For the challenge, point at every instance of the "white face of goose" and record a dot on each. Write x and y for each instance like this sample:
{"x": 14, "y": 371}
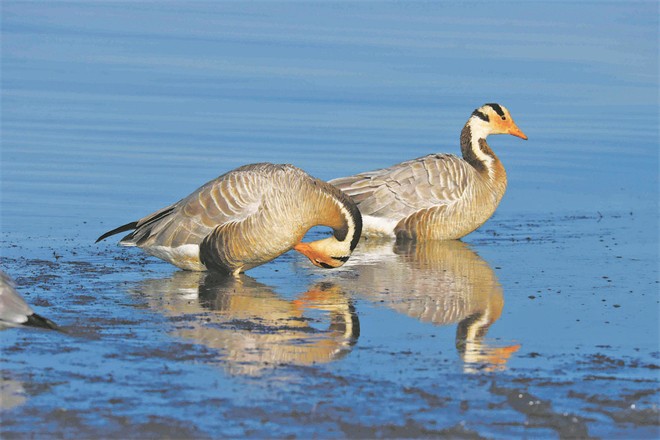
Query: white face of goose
{"x": 493, "y": 119}
{"x": 328, "y": 253}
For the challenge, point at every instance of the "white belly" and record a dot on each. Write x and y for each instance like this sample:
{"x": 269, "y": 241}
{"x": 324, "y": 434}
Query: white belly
{"x": 186, "y": 256}
{"x": 378, "y": 226}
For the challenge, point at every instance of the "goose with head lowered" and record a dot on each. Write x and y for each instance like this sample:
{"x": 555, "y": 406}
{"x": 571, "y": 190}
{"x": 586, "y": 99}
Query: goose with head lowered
{"x": 439, "y": 196}
{"x": 248, "y": 217}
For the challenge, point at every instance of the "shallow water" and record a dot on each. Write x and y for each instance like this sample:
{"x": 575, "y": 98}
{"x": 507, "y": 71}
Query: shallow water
{"x": 542, "y": 323}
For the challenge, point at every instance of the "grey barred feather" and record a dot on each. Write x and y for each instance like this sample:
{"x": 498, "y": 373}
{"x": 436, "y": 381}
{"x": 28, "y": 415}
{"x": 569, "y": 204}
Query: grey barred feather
{"x": 405, "y": 188}
{"x": 413, "y": 194}
{"x": 191, "y": 219}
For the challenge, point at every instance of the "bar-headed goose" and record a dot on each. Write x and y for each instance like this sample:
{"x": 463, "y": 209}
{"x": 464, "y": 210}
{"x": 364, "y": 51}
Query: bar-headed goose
{"x": 248, "y": 217}
{"x": 439, "y": 196}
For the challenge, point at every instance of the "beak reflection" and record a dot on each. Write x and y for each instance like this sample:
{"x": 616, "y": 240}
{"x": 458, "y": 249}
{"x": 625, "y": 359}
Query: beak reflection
{"x": 439, "y": 282}
{"x": 252, "y": 327}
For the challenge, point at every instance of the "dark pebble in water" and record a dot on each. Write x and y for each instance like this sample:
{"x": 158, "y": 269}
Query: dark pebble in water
{"x": 540, "y": 413}
{"x": 647, "y": 416}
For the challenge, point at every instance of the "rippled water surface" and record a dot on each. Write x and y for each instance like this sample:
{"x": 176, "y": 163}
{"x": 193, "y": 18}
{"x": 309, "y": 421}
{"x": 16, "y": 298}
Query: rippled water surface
{"x": 542, "y": 323}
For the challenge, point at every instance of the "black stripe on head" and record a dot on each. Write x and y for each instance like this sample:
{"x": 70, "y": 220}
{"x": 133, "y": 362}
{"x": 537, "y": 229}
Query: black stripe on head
{"x": 324, "y": 265}
{"x": 497, "y": 108}
{"x": 481, "y": 115}
{"x": 342, "y": 259}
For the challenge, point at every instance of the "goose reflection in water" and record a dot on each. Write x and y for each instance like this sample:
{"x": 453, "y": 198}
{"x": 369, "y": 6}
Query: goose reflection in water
{"x": 440, "y": 282}
{"x": 251, "y": 326}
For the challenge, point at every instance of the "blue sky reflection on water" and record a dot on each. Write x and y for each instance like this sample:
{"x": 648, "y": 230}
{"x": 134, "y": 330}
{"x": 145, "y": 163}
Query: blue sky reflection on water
{"x": 314, "y": 85}
{"x": 111, "y": 110}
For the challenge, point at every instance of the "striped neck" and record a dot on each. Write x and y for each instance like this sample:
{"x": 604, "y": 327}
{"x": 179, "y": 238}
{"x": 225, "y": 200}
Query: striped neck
{"x": 352, "y": 224}
{"x": 475, "y": 149}
{"x": 343, "y": 216}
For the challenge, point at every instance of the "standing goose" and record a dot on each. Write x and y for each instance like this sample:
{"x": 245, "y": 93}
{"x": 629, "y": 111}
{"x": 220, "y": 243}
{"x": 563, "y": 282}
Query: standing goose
{"x": 439, "y": 196}
{"x": 248, "y": 217}
{"x": 14, "y": 311}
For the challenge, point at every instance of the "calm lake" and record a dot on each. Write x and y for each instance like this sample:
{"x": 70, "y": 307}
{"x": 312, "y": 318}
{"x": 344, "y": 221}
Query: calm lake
{"x": 543, "y": 323}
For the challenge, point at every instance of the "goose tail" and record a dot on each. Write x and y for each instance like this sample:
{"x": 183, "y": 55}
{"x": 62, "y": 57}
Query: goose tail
{"x": 127, "y": 227}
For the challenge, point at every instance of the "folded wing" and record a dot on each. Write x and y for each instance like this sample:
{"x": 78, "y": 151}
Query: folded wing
{"x": 406, "y": 188}
{"x": 232, "y": 197}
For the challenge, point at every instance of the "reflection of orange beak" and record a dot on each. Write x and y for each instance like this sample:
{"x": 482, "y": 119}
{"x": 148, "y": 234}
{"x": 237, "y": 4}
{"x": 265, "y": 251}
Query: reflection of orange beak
{"x": 497, "y": 359}
{"x": 311, "y": 296}
{"x": 515, "y": 131}
{"x": 502, "y": 354}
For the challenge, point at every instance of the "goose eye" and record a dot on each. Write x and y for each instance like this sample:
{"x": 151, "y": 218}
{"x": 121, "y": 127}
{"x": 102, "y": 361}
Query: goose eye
{"x": 504, "y": 118}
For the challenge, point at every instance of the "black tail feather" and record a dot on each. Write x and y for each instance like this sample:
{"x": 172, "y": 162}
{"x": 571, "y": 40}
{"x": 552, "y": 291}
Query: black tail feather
{"x": 35, "y": 320}
{"x": 127, "y": 227}
{"x": 142, "y": 227}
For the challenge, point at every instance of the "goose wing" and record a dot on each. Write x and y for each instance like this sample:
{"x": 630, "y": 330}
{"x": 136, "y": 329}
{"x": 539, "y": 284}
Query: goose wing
{"x": 403, "y": 189}
{"x": 231, "y": 198}
{"x": 15, "y": 311}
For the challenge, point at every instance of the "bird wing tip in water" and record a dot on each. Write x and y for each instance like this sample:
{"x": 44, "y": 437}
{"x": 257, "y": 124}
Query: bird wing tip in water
{"x": 35, "y": 320}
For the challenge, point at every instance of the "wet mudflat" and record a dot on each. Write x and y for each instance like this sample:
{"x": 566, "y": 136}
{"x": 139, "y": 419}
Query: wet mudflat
{"x": 543, "y": 323}
{"x": 515, "y": 333}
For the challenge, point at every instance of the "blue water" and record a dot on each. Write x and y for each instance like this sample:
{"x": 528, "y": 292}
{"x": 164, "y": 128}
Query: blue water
{"x": 111, "y": 110}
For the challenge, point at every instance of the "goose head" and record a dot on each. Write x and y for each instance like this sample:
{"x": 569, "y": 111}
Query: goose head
{"x": 328, "y": 253}
{"x": 493, "y": 119}
{"x": 345, "y": 220}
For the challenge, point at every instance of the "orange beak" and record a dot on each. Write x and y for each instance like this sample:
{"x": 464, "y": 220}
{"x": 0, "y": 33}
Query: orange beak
{"x": 314, "y": 256}
{"x": 515, "y": 131}
{"x": 303, "y": 248}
